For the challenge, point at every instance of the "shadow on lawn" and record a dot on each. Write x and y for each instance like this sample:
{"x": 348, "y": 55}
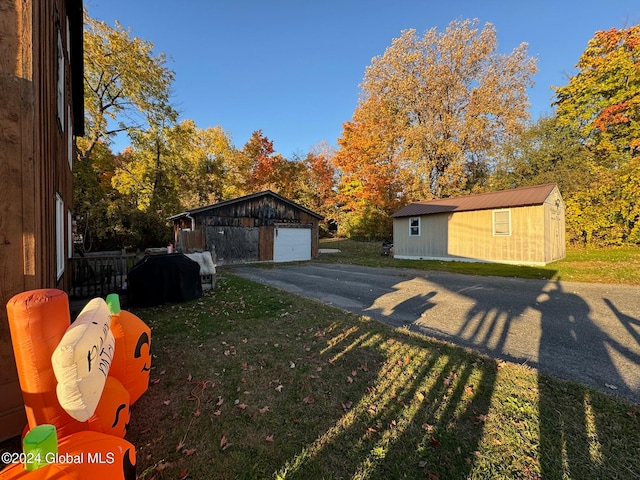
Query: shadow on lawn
{"x": 419, "y": 413}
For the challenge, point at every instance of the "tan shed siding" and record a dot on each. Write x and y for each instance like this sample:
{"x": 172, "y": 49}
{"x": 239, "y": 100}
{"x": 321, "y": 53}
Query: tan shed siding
{"x": 554, "y": 226}
{"x": 471, "y": 236}
{"x": 432, "y": 241}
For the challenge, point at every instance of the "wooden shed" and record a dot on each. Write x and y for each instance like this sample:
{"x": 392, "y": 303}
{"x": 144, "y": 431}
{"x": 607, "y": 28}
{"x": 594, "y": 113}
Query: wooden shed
{"x": 523, "y": 226}
{"x": 260, "y": 227}
{"x": 41, "y": 109}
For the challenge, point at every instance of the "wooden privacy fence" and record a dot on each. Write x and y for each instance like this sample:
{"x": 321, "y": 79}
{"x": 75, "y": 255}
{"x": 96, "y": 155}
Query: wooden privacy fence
{"x": 97, "y": 275}
{"x": 191, "y": 240}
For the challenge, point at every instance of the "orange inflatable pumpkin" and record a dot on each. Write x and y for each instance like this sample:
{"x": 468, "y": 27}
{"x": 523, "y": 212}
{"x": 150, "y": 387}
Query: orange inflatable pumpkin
{"x": 82, "y": 456}
{"x": 38, "y": 320}
{"x": 132, "y": 361}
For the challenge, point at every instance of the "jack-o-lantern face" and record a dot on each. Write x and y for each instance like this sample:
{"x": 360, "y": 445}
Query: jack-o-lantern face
{"x": 142, "y": 341}
{"x": 132, "y": 360}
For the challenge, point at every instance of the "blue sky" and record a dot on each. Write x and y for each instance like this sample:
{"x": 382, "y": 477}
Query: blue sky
{"x": 292, "y": 68}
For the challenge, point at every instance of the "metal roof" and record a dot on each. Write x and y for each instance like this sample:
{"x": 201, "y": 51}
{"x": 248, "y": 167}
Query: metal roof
{"x": 517, "y": 197}
{"x": 242, "y": 199}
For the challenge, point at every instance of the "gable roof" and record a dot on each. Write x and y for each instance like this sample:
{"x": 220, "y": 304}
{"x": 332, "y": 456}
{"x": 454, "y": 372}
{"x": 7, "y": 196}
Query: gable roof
{"x": 516, "y": 197}
{"x": 252, "y": 196}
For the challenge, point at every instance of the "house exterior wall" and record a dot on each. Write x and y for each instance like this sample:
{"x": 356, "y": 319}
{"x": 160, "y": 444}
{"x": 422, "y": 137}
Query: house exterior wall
{"x": 35, "y": 167}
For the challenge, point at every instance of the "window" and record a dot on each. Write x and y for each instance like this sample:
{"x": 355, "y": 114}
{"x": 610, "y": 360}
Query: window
{"x": 60, "y": 236}
{"x": 502, "y": 222}
{"x": 414, "y": 227}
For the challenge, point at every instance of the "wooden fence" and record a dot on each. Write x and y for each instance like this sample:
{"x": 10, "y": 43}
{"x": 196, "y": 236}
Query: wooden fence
{"x": 96, "y": 275}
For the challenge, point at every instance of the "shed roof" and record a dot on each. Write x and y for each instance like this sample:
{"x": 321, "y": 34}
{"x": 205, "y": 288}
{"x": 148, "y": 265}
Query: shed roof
{"x": 252, "y": 196}
{"x": 516, "y": 197}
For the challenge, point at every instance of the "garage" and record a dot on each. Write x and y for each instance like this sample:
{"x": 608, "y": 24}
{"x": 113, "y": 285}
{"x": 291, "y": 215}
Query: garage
{"x": 260, "y": 227}
{"x": 291, "y": 244}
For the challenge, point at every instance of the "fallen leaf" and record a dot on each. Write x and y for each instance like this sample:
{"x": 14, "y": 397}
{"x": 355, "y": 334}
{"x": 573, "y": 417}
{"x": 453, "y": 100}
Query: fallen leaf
{"x": 196, "y": 413}
{"x": 224, "y": 444}
{"x": 349, "y": 380}
{"x": 431, "y": 475}
{"x": 180, "y": 445}
{"x": 242, "y": 406}
{"x": 162, "y": 372}
{"x": 422, "y": 463}
{"x": 269, "y": 438}
{"x": 264, "y": 409}
{"x": 347, "y": 405}
{"x": 167, "y": 402}
{"x": 189, "y": 451}
{"x": 292, "y": 365}
{"x": 162, "y": 466}
{"x": 309, "y": 399}
{"x": 217, "y": 413}
{"x": 479, "y": 418}
{"x": 428, "y": 427}
{"x": 184, "y": 474}
{"x": 220, "y": 401}
{"x": 434, "y": 443}
{"x": 279, "y": 388}
{"x": 468, "y": 390}
{"x": 189, "y": 378}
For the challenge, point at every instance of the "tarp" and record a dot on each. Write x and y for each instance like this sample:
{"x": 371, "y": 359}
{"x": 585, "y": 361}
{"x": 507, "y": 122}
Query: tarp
{"x": 160, "y": 279}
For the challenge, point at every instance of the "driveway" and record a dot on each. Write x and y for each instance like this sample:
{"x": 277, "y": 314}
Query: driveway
{"x": 585, "y": 332}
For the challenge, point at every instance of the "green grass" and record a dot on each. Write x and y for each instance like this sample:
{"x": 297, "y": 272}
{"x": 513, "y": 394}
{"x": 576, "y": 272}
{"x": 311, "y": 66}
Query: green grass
{"x": 604, "y": 265}
{"x": 251, "y": 382}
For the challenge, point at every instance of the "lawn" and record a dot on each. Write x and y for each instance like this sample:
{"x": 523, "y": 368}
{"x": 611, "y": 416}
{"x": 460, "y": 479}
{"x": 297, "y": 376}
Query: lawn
{"x": 604, "y": 265}
{"x": 250, "y": 382}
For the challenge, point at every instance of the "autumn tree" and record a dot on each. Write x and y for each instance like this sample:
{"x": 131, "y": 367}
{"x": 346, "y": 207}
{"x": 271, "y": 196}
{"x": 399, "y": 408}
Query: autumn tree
{"x": 450, "y": 98}
{"x": 601, "y": 103}
{"x": 124, "y": 83}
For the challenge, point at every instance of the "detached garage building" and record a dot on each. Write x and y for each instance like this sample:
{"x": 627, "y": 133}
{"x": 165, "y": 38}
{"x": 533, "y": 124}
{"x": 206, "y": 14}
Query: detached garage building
{"x": 519, "y": 226}
{"x": 262, "y": 227}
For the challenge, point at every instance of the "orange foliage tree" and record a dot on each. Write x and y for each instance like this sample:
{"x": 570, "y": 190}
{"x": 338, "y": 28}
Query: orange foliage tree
{"x": 602, "y": 104}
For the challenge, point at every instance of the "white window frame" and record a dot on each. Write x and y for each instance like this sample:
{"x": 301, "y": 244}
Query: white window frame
{"x": 60, "y": 235}
{"x": 497, "y": 231}
{"x": 69, "y": 234}
{"x": 417, "y": 226}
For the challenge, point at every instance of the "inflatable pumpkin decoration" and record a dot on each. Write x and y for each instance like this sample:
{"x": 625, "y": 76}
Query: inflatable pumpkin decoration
{"x": 132, "y": 362}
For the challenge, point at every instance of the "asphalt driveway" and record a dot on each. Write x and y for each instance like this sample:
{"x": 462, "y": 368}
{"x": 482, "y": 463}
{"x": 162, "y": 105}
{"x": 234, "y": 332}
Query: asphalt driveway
{"x": 585, "y": 332}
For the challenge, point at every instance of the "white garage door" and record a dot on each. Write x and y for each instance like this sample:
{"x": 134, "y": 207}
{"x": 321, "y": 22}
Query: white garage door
{"x": 291, "y": 244}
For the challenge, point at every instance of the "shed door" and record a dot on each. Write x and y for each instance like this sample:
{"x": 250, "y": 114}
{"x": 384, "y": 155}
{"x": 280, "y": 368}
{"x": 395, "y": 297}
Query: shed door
{"x": 291, "y": 244}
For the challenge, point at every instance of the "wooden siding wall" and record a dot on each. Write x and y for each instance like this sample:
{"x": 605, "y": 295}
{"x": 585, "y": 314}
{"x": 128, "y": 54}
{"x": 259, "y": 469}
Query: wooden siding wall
{"x": 431, "y": 243}
{"x": 33, "y": 168}
{"x": 471, "y": 236}
{"x": 555, "y": 229}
